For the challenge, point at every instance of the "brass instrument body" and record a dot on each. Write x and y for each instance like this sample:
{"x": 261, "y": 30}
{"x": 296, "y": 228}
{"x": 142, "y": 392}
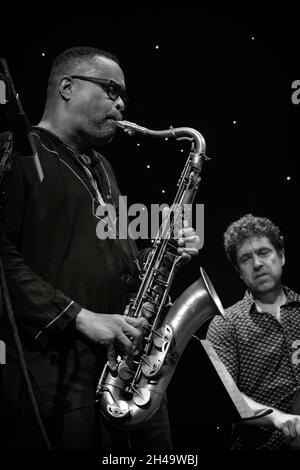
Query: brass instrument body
{"x": 132, "y": 394}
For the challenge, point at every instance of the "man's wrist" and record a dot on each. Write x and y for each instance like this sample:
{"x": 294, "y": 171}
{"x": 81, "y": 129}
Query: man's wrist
{"x": 79, "y": 320}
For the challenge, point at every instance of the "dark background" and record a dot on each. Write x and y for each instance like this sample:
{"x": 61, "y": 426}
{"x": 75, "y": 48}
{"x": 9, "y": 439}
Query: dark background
{"x": 213, "y": 66}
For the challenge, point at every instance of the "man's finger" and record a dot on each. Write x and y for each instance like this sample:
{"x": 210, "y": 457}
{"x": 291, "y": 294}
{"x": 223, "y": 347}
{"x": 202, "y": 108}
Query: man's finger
{"x": 292, "y": 430}
{"x": 188, "y": 251}
{"x": 140, "y": 322}
{"x": 128, "y": 346}
{"x": 297, "y": 427}
{"x": 123, "y": 339}
{"x": 112, "y": 357}
{"x": 285, "y": 430}
{"x": 185, "y": 257}
{"x": 186, "y": 232}
{"x": 165, "y": 213}
{"x": 186, "y": 241}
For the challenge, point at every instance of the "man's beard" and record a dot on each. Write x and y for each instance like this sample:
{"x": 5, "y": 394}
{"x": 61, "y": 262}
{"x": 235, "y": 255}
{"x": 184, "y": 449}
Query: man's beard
{"x": 100, "y": 134}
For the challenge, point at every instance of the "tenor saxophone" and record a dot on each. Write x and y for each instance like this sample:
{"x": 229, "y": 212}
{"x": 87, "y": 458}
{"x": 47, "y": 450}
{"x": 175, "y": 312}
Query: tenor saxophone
{"x": 130, "y": 395}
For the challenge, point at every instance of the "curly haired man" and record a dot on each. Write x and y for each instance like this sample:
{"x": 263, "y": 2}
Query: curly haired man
{"x": 259, "y": 340}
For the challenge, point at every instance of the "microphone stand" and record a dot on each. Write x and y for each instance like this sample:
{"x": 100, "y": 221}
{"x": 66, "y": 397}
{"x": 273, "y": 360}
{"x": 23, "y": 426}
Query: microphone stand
{"x": 20, "y": 144}
{"x": 20, "y": 128}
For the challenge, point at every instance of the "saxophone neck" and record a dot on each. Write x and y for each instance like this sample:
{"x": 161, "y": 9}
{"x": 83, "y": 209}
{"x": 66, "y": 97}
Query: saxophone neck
{"x": 179, "y": 133}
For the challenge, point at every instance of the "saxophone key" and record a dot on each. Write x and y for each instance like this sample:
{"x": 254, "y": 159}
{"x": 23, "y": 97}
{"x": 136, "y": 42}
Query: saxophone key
{"x": 141, "y": 396}
{"x": 120, "y": 409}
{"x": 126, "y": 370}
{"x": 151, "y": 365}
{"x": 163, "y": 337}
{"x": 148, "y": 310}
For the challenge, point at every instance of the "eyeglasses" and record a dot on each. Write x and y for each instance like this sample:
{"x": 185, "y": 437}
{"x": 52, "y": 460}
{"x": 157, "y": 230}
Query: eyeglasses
{"x": 112, "y": 88}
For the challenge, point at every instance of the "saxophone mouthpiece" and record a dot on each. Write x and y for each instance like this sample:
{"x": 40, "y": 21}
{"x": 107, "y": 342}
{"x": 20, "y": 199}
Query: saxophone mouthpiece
{"x": 125, "y": 126}
{"x": 120, "y": 124}
{"x": 131, "y": 127}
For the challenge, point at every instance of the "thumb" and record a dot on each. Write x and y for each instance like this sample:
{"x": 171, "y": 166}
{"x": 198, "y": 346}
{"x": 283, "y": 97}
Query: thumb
{"x": 165, "y": 213}
{"x": 165, "y": 218}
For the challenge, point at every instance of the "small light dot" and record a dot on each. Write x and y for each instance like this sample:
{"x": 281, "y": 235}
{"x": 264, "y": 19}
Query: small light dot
{"x": 252, "y": 38}
{"x": 163, "y": 191}
{"x": 218, "y": 427}
{"x": 181, "y": 150}
{"x": 138, "y": 144}
{"x": 43, "y": 54}
{"x": 157, "y": 47}
{"x": 234, "y": 122}
{"x": 148, "y": 166}
{"x": 166, "y": 138}
{"x": 288, "y": 178}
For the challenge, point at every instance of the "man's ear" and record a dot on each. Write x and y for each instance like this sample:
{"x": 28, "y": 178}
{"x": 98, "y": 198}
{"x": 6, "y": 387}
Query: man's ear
{"x": 238, "y": 270}
{"x": 65, "y": 87}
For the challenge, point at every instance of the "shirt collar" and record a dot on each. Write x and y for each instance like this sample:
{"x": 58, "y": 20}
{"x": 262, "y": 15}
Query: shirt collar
{"x": 291, "y": 297}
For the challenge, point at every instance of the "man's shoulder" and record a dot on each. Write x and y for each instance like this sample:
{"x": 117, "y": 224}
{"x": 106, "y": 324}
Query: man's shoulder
{"x": 233, "y": 314}
{"x": 291, "y": 295}
{"x": 242, "y": 306}
{"x": 43, "y": 138}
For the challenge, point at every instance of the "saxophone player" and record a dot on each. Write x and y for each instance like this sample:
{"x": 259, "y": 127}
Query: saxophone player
{"x": 68, "y": 288}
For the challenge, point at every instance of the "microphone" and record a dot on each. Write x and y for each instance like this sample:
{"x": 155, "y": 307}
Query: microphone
{"x": 23, "y": 140}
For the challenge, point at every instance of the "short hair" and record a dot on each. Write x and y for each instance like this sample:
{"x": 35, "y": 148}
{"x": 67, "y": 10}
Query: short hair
{"x": 250, "y": 226}
{"x": 67, "y": 61}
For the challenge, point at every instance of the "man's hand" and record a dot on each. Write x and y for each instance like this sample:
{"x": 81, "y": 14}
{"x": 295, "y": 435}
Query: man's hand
{"x": 289, "y": 424}
{"x": 112, "y": 331}
{"x": 187, "y": 241}
{"x": 188, "y": 244}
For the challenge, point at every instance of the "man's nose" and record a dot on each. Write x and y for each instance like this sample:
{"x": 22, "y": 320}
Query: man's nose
{"x": 120, "y": 105}
{"x": 257, "y": 262}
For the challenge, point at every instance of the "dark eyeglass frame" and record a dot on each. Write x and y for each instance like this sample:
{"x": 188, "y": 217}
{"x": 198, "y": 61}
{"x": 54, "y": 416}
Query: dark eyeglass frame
{"x": 112, "y": 88}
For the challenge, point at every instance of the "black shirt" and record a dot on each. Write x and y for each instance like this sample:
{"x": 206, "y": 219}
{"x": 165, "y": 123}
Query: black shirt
{"x": 55, "y": 264}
